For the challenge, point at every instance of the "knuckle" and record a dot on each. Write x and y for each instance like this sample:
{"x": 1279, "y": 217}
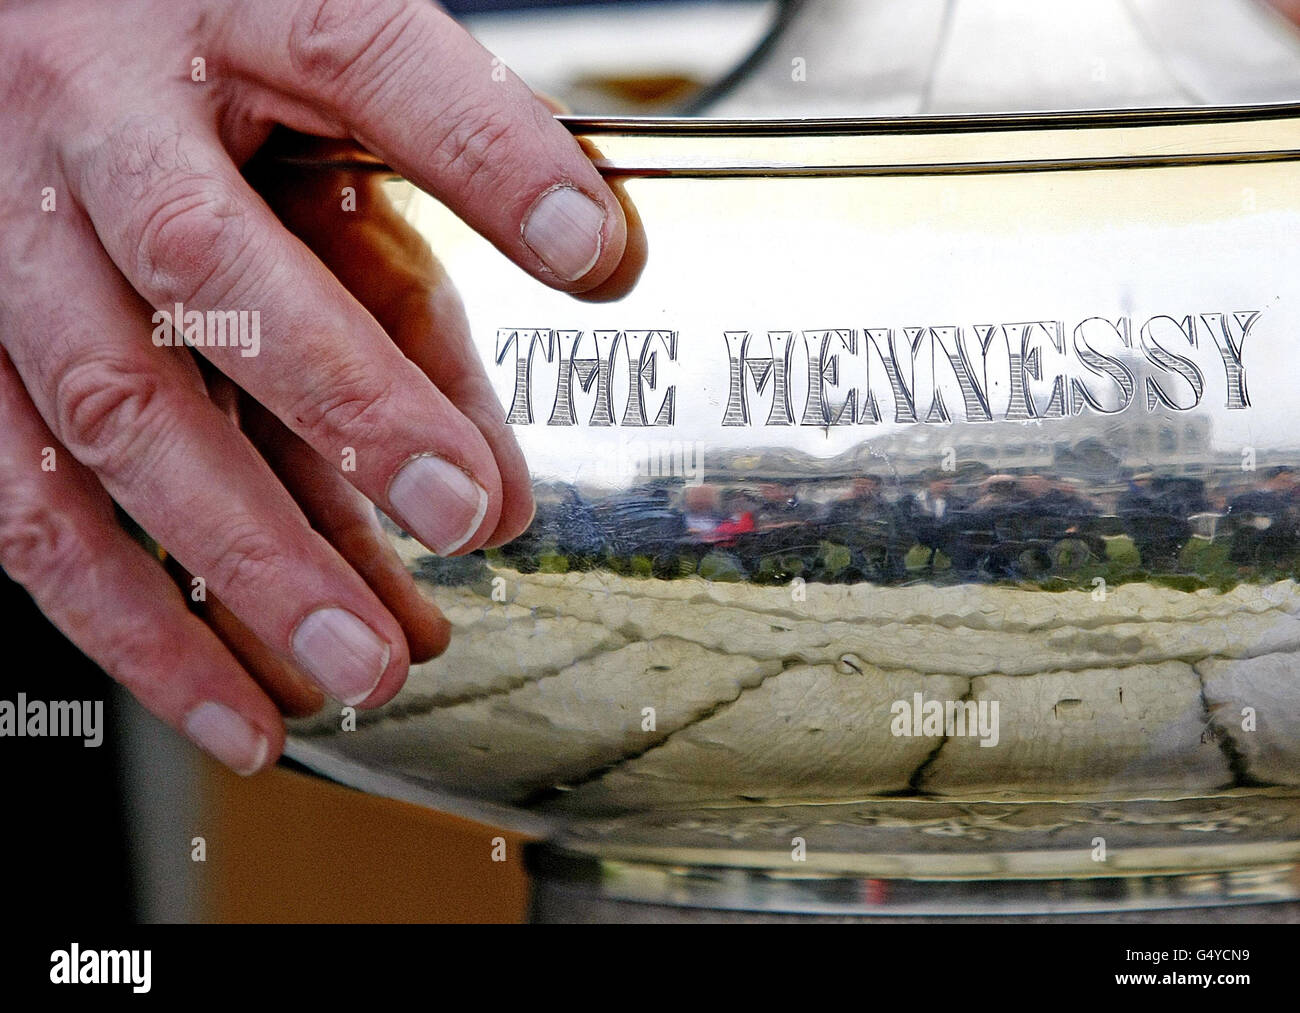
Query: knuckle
{"x": 333, "y": 40}
{"x": 106, "y": 410}
{"x": 247, "y": 556}
{"x": 44, "y": 549}
{"x": 37, "y": 542}
{"x": 350, "y": 404}
{"x": 187, "y": 239}
{"x": 476, "y": 144}
{"x": 183, "y": 223}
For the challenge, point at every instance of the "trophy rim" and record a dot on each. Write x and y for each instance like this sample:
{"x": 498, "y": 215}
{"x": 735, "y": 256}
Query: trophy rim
{"x": 705, "y": 148}
{"x": 928, "y": 123}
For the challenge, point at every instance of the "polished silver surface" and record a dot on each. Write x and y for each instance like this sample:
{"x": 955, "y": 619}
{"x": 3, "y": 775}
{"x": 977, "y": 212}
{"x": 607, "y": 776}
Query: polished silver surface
{"x": 929, "y": 515}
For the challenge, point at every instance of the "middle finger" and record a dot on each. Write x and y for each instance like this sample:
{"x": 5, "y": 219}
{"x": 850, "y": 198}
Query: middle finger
{"x": 193, "y": 238}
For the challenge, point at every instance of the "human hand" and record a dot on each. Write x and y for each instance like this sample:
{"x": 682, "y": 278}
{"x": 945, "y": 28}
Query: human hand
{"x": 126, "y": 125}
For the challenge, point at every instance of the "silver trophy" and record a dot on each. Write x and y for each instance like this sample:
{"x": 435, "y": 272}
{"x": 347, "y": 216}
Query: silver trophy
{"x": 921, "y": 532}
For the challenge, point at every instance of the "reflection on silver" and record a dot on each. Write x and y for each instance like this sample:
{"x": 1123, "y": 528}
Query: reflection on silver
{"x": 865, "y": 455}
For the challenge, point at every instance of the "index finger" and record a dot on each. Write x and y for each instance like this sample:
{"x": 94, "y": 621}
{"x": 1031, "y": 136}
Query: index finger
{"x": 410, "y": 84}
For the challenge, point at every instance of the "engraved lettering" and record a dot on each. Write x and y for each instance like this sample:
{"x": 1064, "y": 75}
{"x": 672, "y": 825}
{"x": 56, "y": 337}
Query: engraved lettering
{"x": 1230, "y": 351}
{"x": 919, "y": 374}
{"x": 1090, "y": 337}
{"x": 877, "y": 339}
{"x": 524, "y": 342}
{"x": 775, "y": 366}
{"x": 642, "y": 362}
{"x": 1159, "y": 355}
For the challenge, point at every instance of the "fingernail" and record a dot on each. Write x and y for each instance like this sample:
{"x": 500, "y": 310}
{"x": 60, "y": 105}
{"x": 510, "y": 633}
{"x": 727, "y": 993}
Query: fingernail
{"x": 437, "y": 502}
{"x": 227, "y": 736}
{"x": 342, "y": 653}
{"x": 564, "y": 229}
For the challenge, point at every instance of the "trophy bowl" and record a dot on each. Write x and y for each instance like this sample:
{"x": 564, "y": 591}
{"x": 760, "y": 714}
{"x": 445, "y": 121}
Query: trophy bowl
{"x": 920, "y": 533}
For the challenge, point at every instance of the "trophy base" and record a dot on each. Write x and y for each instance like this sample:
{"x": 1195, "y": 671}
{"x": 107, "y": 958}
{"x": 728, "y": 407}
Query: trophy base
{"x": 569, "y": 887}
{"x": 1233, "y": 857}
